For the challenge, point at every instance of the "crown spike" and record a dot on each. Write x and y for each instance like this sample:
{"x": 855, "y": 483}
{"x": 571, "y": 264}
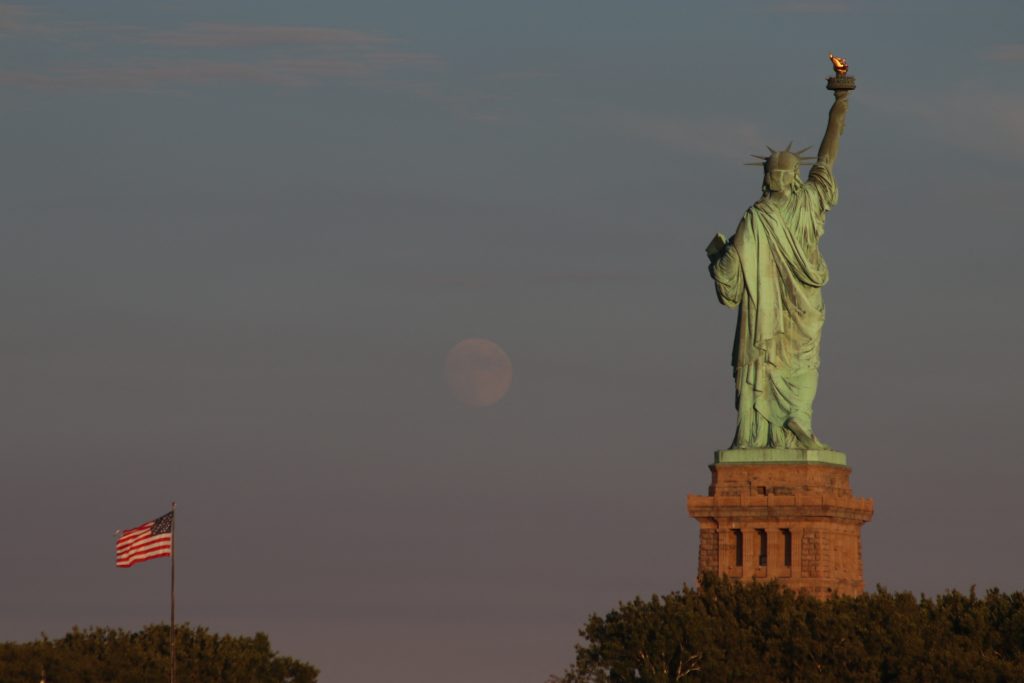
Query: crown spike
{"x": 801, "y": 151}
{"x": 789, "y": 146}
{"x": 770, "y": 149}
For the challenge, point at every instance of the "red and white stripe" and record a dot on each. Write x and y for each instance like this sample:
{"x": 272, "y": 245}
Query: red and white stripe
{"x": 139, "y": 544}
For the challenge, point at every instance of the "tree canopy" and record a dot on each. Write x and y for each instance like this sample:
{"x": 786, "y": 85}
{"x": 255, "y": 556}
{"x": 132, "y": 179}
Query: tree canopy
{"x": 106, "y": 655}
{"x": 729, "y": 631}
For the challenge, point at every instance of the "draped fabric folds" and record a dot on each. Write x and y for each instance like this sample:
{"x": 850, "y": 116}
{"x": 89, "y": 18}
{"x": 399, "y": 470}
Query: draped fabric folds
{"x": 773, "y": 271}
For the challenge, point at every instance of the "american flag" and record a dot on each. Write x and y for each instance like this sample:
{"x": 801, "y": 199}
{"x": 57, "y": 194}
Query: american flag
{"x": 145, "y": 542}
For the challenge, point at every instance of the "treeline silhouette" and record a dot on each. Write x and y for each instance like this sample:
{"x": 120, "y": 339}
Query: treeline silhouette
{"x": 729, "y": 631}
{"x": 106, "y": 655}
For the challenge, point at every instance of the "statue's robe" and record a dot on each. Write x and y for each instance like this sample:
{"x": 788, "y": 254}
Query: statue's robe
{"x": 773, "y": 271}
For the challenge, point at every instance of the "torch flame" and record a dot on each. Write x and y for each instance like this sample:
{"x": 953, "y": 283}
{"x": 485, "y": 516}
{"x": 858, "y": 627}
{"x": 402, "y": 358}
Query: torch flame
{"x": 839, "y": 64}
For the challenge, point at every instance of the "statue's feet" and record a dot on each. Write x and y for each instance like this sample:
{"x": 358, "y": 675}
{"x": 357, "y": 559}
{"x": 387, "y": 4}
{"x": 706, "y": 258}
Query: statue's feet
{"x": 805, "y": 437}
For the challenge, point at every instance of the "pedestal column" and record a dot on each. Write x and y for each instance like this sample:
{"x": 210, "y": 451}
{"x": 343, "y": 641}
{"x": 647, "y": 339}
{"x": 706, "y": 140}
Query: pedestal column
{"x": 800, "y": 493}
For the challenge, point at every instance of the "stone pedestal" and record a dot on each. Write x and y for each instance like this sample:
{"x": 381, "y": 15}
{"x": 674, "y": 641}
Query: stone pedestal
{"x": 783, "y": 514}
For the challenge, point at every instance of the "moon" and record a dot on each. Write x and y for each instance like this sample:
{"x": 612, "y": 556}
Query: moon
{"x": 478, "y": 372}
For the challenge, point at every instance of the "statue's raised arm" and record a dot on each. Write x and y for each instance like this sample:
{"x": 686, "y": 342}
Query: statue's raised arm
{"x": 841, "y": 84}
{"x": 829, "y": 149}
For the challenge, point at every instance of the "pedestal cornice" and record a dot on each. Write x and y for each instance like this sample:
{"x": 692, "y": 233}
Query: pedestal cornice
{"x": 762, "y": 456}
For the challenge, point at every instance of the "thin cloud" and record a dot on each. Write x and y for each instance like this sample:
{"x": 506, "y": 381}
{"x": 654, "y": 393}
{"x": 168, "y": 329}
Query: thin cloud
{"x": 20, "y": 22}
{"x": 1010, "y": 52}
{"x": 149, "y": 75}
{"x": 236, "y": 35}
{"x": 217, "y": 54}
{"x": 293, "y": 56}
{"x": 144, "y": 76}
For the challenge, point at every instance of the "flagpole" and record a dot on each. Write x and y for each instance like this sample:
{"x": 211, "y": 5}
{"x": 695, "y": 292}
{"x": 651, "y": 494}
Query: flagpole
{"x": 172, "y": 591}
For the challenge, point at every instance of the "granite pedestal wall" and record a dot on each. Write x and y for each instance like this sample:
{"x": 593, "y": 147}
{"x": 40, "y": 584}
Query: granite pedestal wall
{"x": 783, "y": 514}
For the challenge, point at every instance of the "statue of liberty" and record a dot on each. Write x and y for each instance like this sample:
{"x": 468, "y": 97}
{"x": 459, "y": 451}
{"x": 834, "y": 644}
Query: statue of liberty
{"x": 773, "y": 272}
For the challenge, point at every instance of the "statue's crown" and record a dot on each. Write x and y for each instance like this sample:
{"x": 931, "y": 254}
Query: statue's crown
{"x": 783, "y": 158}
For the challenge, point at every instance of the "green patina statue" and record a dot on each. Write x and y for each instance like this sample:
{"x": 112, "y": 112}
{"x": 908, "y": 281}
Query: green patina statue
{"x": 773, "y": 271}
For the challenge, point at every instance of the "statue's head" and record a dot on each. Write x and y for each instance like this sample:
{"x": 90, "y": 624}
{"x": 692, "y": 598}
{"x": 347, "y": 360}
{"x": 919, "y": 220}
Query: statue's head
{"x": 782, "y": 169}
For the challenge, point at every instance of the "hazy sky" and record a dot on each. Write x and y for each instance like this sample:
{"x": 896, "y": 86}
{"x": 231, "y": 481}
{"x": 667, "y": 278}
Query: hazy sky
{"x": 239, "y": 238}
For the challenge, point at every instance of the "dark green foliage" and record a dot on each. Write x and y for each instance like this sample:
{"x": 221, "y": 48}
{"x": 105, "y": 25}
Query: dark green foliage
{"x": 728, "y": 631}
{"x": 105, "y": 655}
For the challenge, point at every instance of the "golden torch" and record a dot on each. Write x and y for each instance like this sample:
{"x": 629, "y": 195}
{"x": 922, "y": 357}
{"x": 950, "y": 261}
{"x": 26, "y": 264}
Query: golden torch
{"x": 840, "y": 81}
